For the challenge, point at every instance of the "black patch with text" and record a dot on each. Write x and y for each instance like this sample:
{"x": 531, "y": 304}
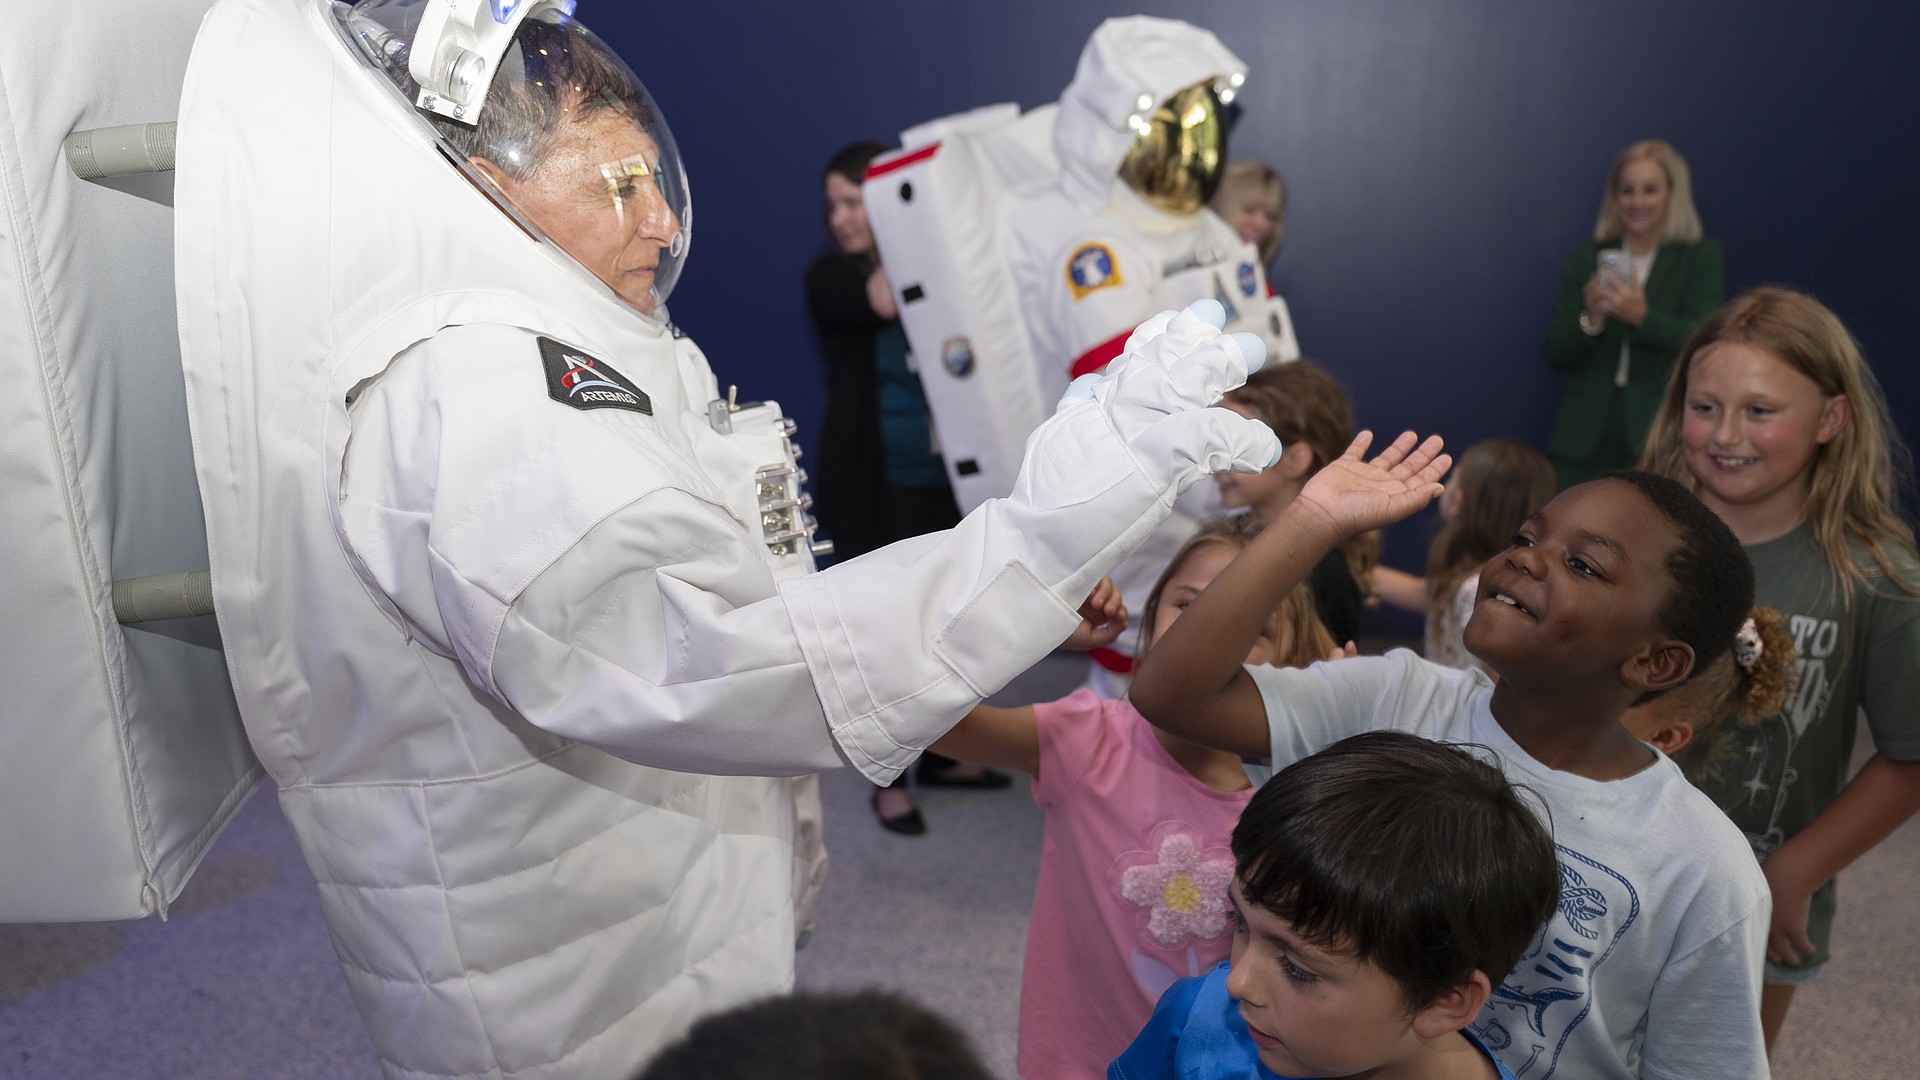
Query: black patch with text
{"x": 579, "y": 380}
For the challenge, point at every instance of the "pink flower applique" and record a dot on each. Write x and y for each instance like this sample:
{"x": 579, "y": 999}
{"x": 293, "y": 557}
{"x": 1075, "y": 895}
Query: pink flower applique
{"x": 1183, "y": 885}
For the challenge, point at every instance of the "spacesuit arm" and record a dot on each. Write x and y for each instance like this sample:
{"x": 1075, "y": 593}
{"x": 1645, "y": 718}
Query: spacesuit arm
{"x": 586, "y": 573}
{"x": 904, "y": 640}
{"x": 657, "y": 638}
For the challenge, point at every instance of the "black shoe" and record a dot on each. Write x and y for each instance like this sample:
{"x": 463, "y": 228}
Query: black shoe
{"x": 907, "y": 824}
{"x": 943, "y": 776}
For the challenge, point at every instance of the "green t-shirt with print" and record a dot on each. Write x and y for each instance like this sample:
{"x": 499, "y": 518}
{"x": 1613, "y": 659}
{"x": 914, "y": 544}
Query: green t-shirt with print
{"x": 1774, "y": 777}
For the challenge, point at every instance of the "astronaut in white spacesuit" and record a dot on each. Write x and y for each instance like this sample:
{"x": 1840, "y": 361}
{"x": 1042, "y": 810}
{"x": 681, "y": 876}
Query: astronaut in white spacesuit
{"x": 504, "y": 590}
{"x": 1142, "y": 141}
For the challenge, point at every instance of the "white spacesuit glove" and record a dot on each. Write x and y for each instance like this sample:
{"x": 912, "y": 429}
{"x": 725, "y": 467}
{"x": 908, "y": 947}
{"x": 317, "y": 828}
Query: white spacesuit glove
{"x": 1122, "y": 446}
{"x": 902, "y": 641}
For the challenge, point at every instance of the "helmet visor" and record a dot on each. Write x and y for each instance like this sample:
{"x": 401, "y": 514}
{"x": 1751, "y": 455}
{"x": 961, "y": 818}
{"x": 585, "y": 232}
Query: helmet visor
{"x": 1178, "y": 151}
{"x": 569, "y": 144}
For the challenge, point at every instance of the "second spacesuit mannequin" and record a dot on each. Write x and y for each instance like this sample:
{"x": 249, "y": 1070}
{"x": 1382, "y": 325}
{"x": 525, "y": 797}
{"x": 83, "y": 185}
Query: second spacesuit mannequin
{"x": 1125, "y": 232}
{"x": 498, "y": 595}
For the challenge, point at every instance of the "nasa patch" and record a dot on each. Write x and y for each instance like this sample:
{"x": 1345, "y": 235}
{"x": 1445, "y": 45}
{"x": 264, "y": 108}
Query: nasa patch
{"x": 579, "y": 380}
{"x": 1092, "y": 267}
{"x": 1249, "y": 283}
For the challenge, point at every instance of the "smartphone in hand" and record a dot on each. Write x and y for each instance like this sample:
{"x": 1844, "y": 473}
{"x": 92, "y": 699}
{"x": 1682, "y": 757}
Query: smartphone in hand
{"x": 1617, "y": 265}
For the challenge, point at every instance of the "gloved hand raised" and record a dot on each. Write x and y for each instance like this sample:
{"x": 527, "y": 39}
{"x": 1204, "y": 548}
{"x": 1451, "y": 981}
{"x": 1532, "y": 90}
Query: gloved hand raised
{"x": 1153, "y": 403}
{"x": 1122, "y": 446}
{"x": 901, "y": 642}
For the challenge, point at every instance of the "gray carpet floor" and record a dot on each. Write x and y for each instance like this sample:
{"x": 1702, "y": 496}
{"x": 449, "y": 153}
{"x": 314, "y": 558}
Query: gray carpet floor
{"x": 240, "y": 983}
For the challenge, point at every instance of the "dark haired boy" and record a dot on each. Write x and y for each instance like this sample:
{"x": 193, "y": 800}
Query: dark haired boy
{"x": 1381, "y": 888}
{"x": 1616, "y": 591}
{"x": 863, "y": 1035}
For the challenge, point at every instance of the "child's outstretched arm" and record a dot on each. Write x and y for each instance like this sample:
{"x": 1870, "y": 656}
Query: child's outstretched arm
{"x": 1396, "y": 587}
{"x": 989, "y": 735}
{"x": 1192, "y": 682}
{"x": 1008, "y": 738}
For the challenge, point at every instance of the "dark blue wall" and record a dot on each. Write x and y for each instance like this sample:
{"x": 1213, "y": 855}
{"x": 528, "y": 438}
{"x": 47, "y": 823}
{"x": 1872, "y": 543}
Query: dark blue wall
{"x": 1442, "y": 156}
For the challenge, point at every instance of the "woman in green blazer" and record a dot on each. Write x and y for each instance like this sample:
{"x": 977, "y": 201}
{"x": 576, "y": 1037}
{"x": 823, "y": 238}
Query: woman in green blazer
{"x": 1627, "y": 302}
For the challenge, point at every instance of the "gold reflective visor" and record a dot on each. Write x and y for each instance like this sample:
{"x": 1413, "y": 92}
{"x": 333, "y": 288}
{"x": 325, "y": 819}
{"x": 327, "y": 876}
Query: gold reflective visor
{"x": 1178, "y": 151}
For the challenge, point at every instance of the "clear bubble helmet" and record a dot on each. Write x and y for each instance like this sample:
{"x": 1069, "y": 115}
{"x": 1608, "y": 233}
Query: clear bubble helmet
{"x": 548, "y": 122}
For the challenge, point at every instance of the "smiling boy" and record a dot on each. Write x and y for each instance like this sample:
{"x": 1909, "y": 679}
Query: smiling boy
{"x": 1380, "y": 887}
{"x": 1613, "y": 593}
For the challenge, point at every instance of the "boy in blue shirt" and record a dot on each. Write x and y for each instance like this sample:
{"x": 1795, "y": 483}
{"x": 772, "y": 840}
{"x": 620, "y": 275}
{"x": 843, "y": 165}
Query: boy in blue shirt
{"x": 1382, "y": 888}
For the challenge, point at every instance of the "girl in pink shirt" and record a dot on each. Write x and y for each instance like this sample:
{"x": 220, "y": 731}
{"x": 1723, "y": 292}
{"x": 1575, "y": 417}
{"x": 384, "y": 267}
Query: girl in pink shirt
{"x": 1134, "y": 866}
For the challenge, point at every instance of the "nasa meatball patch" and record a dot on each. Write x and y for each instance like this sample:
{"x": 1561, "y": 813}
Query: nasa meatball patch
{"x": 579, "y": 380}
{"x": 1091, "y": 268}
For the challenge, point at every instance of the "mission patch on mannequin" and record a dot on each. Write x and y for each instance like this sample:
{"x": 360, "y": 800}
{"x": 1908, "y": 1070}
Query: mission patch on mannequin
{"x": 1091, "y": 267}
{"x": 579, "y": 380}
{"x": 957, "y": 354}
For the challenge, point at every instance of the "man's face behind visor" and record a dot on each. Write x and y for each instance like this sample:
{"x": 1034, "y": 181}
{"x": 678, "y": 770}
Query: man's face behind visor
{"x": 597, "y": 195}
{"x": 1179, "y": 151}
{"x": 569, "y": 144}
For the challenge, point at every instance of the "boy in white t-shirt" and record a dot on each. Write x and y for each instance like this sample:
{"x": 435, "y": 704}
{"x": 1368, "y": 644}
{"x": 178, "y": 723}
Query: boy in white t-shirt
{"x": 1613, "y": 593}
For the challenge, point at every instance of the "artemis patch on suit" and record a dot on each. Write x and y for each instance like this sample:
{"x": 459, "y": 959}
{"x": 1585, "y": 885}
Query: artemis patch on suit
{"x": 579, "y": 380}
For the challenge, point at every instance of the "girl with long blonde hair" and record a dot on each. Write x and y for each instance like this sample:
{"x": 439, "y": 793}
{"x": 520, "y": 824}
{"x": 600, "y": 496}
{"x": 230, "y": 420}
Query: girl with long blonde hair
{"x": 1777, "y": 422}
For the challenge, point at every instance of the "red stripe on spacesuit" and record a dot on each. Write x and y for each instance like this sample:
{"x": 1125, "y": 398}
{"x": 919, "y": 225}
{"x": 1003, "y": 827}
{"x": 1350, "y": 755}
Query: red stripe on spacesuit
{"x": 887, "y": 165}
{"x": 1117, "y": 662}
{"x": 1100, "y": 355}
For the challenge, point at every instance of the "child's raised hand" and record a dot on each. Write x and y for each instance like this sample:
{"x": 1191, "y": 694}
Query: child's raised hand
{"x": 1352, "y": 495}
{"x": 1344, "y": 652}
{"x": 1103, "y": 618}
